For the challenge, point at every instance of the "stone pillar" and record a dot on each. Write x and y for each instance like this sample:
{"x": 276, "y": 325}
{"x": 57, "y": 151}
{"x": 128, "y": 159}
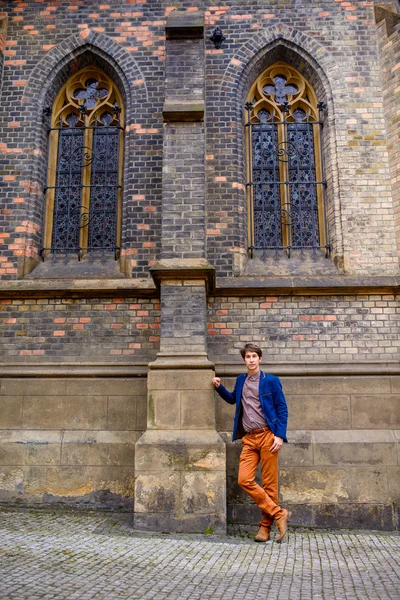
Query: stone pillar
{"x": 180, "y": 461}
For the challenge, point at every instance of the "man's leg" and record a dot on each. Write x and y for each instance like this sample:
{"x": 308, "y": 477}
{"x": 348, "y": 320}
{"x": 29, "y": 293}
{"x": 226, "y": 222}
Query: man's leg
{"x": 269, "y": 477}
{"x": 249, "y": 459}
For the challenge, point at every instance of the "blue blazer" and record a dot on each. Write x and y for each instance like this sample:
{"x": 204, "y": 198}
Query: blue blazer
{"x": 272, "y": 401}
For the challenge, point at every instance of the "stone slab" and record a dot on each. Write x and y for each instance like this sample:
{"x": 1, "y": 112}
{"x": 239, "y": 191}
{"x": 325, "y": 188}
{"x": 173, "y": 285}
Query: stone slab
{"x": 299, "y": 451}
{"x": 180, "y": 451}
{"x": 122, "y": 412}
{"x": 21, "y": 448}
{"x": 376, "y": 411}
{"x": 64, "y": 412}
{"x": 181, "y": 379}
{"x": 318, "y": 412}
{"x": 11, "y": 412}
{"x": 197, "y": 409}
{"x": 99, "y": 448}
{"x": 354, "y": 516}
{"x": 157, "y": 492}
{"x": 367, "y": 447}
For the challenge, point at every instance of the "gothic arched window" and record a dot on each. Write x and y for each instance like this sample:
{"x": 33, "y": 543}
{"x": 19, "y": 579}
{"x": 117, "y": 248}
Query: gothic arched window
{"x": 285, "y": 188}
{"x": 83, "y": 195}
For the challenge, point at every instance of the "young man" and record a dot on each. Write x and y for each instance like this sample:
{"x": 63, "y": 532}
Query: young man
{"x": 260, "y": 420}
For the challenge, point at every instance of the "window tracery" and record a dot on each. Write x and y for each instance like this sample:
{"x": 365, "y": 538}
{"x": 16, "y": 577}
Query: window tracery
{"x": 83, "y": 196}
{"x": 285, "y": 188}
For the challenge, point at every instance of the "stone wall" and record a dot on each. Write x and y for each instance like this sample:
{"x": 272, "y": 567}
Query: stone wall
{"x": 70, "y": 439}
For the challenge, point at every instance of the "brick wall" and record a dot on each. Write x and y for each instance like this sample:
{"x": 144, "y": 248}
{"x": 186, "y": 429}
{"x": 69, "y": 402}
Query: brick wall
{"x": 3, "y": 29}
{"x": 76, "y": 330}
{"x": 306, "y": 328}
{"x": 389, "y": 43}
{"x": 332, "y": 43}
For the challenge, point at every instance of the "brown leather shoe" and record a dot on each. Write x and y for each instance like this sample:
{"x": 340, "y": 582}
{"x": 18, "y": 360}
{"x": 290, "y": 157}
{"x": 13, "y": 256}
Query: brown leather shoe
{"x": 282, "y": 524}
{"x": 262, "y": 535}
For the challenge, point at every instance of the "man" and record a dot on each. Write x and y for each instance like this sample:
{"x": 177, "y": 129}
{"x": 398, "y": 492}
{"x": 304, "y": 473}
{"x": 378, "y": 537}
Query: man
{"x": 260, "y": 420}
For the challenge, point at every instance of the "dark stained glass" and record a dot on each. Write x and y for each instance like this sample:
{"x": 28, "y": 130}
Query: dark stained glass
{"x": 267, "y": 224}
{"x": 67, "y": 201}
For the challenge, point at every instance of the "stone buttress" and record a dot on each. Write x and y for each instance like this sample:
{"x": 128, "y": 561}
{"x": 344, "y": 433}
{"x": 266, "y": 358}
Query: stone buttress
{"x": 180, "y": 462}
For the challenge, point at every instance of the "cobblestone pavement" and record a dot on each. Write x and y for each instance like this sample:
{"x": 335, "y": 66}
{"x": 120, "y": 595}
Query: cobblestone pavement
{"x": 57, "y": 555}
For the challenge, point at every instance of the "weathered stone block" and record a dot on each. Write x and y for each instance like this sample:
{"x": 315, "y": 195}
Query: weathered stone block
{"x": 164, "y": 410}
{"x": 122, "y": 412}
{"x": 376, "y": 411}
{"x": 197, "y": 409}
{"x": 20, "y": 448}
{"x": 180, "y": 379}
{"x": 224, "y": 414}
{"x": 90, "y": 485}
{"x": 169, "y": 450}
{"x": 10, "y": 412}
{"x": 313, "y": 385}
{"x": 40, "y": 386}
{"x": 203, "y": 493}
{"x": 65, "y": 412}
{"x": 368, "y": 484}
{"x": 103, "y": 386}
{"x": 157, "y": 492}
{"x": 298, "y": 452}
{"x": 304, "y": 485}
{"x": 393, "y": 474}
{"x": 319, "y": 412}
{"x": 367, "y": 385}
{"x": 141, "y": 413}
{"x": 353, "y": 516}
{"x": 395, "y": 384}
{"x": 354, "y": 447}
{"x": 99, "y": 448}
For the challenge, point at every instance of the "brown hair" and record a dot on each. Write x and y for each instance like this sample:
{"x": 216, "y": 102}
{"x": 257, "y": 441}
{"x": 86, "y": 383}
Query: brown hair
{"x": 250, "y": 348}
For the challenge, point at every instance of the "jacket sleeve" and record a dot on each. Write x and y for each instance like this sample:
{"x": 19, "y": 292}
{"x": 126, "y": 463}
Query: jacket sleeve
{"x": 229, "y": 397}
{"x": 280, "y": 409}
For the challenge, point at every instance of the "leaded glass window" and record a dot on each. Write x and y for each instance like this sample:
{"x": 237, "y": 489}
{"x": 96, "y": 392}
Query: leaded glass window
{"x": 83, "y": 196}
{"x": 286, "y": 184}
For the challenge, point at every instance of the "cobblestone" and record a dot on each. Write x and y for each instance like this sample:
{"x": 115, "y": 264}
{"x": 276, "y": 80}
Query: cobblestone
{"x": 65, "y": 555}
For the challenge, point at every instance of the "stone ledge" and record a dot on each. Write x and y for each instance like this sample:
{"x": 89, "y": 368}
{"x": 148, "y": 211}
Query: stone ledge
{"x": 92, "y": 370}
{"x": 185, "y": 25}
{"x": 199, "y": 269}
{"x": 77, "y": 288}
{"x": 233, "y": 369}
{"x": 183, "y": 110}
{"x": 307, "y": 285}
{"x": 184, "y": 269}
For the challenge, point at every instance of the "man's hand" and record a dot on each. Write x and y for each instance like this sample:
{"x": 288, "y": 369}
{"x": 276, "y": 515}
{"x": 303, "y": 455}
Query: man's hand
{"x": 277, "y": 445}
{"x": 216, "y": 382}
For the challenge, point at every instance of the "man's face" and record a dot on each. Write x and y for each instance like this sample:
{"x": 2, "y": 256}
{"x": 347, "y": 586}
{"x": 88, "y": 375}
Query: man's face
{"x": 252, "y": 361}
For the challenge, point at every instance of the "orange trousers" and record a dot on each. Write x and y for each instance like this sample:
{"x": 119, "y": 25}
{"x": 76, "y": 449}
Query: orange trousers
{"x": 255, "y": 448}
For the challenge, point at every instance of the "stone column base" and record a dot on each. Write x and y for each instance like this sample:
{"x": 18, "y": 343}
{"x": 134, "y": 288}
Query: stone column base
{"x": 180, "y": 481}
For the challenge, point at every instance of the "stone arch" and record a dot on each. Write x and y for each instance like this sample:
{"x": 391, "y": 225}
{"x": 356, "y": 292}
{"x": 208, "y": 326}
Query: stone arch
{"x": 319, "y": 67}
{"x": 46, "y": 79}
{"x": 70, "y": 49}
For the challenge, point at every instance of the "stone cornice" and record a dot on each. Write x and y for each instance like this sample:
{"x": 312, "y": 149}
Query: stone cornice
{"x": 226, "y": 369}
{"x": 200, "y": 269}
{"x": 314, "y": 369}
{"x": 307, "y": 285}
